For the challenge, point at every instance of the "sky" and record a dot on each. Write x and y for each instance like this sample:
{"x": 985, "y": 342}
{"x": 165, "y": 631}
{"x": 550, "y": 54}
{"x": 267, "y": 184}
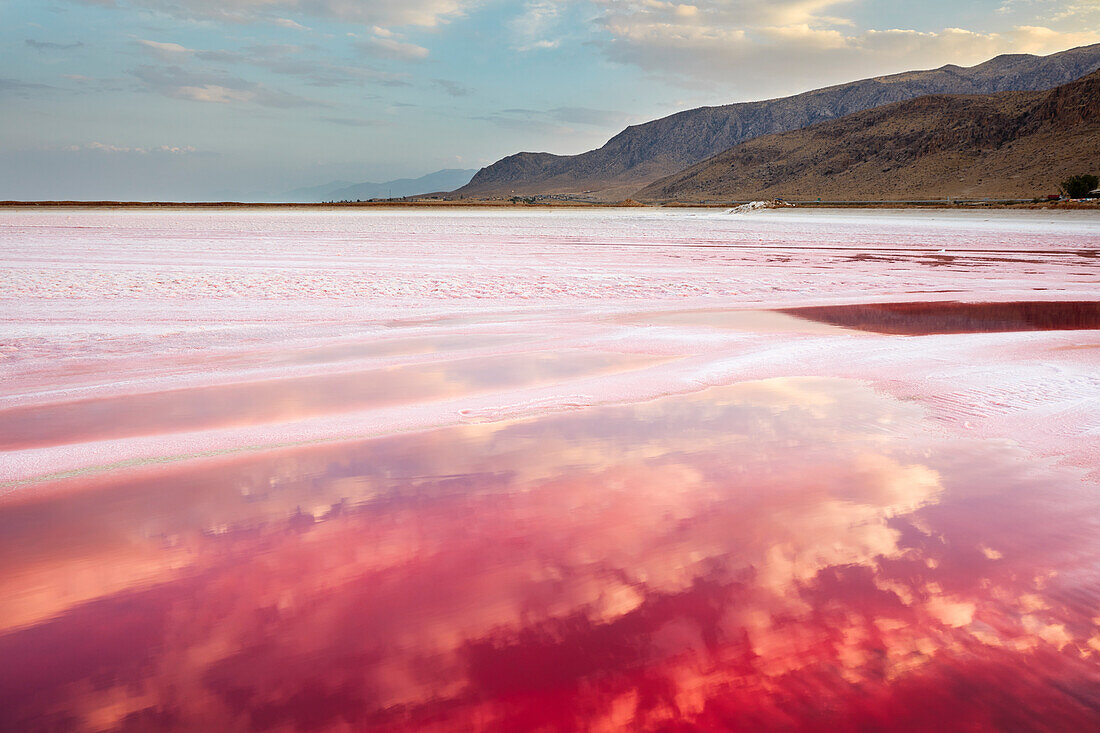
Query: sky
{"x": 208, "y": 99}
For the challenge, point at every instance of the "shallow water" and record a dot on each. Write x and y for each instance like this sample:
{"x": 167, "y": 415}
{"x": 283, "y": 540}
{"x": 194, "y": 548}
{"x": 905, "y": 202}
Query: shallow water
{"x": 922, "y": 319}
{"x": 789, "y": 552}
{"x": 474, "y": 472}
{"x": 287, "y": 399}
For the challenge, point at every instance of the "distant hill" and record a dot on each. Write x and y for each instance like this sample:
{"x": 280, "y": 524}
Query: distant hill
{"x": 444, "y": 180}
{"x": 314, "y": 193}
{"x": 641, "y": 154}
{"x": 1011, "y": 144}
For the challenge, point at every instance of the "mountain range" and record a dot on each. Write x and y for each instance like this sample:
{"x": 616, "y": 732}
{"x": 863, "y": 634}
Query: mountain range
{"x": 1009, "y": 144}
{"x": 642, "y": 154}
{"x": 444, "y": 180}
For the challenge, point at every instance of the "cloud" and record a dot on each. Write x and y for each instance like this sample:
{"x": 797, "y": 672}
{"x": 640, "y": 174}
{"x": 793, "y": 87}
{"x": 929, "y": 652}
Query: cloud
{"x": 95, "y": 85}
{"x": 716, "y": 16}
{"x": 352, "y": 122}
{"x": 534, "y": 26}
{"x": 215, "y": 88}
{"x": 108, "y": 148}
{"x": 959, "y": 45}
{"x": 556, "y": 120}
{"x": 165, "y": 50}
{"x": 1053, "y": 11}
{"x": 282, "y": 59}
{"x": 175, "y": 52}
{"x": 452, "y": 88}
{"x": 589, "y": 116}
{"x": 48, "y": 46}
{"x": 386, "y": 13}
{"x": 19, "y": 88}
{"x": 801, "y": 43}
{"x": 288, "y": 23}
{"x": 391, "y": 48}
{"x": 323, "y": 74}
{"x": 1088, "y": 10}
{"x": 742, "y": 564}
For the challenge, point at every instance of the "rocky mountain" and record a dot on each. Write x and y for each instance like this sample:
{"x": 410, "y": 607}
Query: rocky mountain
{"x": 1009, "y": 144}
{"x": 643, "y": 153}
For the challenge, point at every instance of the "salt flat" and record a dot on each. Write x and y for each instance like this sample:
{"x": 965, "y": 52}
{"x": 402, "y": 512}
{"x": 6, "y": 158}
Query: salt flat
{"x": 556, "y": 470}
{"x": 107, "y": 303}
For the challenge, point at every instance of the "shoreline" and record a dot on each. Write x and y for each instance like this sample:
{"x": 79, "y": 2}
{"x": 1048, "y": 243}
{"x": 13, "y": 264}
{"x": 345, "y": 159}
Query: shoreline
{"x": 506, "y": 204}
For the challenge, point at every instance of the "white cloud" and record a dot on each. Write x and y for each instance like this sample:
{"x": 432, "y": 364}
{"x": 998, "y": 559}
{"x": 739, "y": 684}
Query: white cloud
{"x": 214, "y": 87}
{"x": 790, "y": 45}
{"x": 959, "y": 45}
{"x": 533, "y": 27}
{"x": 389, "y": 47}
{"x": 748, "y": 48}
{"x": 278, "y": 58}
{"x": 165, "y": 50}
{"x": 540, "y": 45}
{"x": 424, "y": 13}
{"x": 1086, "y": 10}
{"x": 720, "y": 15}
{"x": 215, "y": 93}
{"x": 288, "y": 23}
{"x": 1053, "y": 11}
{"x": 108, "y": 148}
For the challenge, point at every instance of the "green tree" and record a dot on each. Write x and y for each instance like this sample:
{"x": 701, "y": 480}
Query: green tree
{"x": 1078, "y": 186}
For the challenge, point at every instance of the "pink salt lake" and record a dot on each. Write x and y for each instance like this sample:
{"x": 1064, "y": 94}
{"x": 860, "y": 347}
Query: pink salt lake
{"x": 593, "y": 470}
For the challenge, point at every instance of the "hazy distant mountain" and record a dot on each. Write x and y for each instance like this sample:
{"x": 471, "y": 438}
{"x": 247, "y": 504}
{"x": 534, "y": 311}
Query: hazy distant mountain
{"x": 1010, "y": 144}
{"x": 641, "y": 154}
{"x": 444, "y": 180}
{"x": 314, "y": 193}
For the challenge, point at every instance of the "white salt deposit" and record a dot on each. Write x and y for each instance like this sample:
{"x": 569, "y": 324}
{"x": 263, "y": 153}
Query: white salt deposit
{"x": 105, "y": 304}
{"x": 757, "y": 206}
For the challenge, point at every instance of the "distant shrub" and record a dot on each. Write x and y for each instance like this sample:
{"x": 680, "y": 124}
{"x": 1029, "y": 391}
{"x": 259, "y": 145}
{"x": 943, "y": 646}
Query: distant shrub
{"x": 1077, "y": 187}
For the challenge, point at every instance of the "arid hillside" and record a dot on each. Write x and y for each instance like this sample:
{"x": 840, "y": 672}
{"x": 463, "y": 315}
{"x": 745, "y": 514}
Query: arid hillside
{"x": 1013, "y": 144}
{"x": 641, "y": 154}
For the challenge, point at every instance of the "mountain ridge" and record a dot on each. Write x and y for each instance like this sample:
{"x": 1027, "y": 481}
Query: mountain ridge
{"x": 1006, "y": 144}
{"x": 436, "y": 181}
{"x": 641, "y": 154}
{"x": 441, "y": 180}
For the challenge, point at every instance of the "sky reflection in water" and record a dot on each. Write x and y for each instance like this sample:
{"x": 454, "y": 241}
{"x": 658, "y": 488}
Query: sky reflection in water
{"x": 792, "y": 553}
{"x": 298, "y": 397}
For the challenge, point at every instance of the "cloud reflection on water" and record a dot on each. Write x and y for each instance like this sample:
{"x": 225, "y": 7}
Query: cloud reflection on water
{"x": 788, "y": 553}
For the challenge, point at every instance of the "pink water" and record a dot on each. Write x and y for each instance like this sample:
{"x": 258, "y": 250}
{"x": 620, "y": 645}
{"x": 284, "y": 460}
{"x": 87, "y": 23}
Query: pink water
{"x": 554, "y": 471}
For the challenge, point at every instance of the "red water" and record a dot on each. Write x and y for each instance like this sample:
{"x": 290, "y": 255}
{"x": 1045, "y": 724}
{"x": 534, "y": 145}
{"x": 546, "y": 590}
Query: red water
{"x": 792, "y": 554}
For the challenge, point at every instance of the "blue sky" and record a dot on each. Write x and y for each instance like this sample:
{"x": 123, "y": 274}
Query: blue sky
{"x": 189, "y": 99}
